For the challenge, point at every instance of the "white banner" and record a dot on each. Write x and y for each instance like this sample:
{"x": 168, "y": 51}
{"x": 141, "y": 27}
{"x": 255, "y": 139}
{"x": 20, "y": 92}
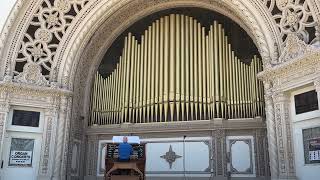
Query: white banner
{"x": 20, "y": 158}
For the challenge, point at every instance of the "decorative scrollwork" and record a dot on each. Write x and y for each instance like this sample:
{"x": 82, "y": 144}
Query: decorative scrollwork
{"x": 46, "y": 29}
{"x": 292, "y": 16}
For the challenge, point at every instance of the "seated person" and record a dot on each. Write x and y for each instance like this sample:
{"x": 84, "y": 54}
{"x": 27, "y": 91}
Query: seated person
{"x": 125, "y": 150}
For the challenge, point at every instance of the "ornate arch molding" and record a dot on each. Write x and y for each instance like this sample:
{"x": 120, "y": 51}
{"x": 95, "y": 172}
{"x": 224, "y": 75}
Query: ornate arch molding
{"x": 109, "y": 27}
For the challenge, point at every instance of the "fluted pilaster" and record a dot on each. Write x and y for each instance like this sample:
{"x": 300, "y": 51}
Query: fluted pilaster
{"x": 286, "y": 166}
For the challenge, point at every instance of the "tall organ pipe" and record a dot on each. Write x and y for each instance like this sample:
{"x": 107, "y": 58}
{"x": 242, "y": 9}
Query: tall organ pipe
{"x": 177, "y": 71}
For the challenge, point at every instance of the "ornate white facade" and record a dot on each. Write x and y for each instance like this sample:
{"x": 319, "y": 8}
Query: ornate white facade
{"x": 60, "y": 43}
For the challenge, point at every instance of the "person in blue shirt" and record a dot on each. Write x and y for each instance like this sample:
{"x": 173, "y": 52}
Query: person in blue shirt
{"x": 125, "y": 150}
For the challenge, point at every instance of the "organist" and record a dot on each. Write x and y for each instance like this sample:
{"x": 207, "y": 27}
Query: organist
{"x": 125, "y": 150}
{"x": 125, "y": 158}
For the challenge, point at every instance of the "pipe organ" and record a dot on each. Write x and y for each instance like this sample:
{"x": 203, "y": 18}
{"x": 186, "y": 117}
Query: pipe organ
{"x": 180, "y": 71}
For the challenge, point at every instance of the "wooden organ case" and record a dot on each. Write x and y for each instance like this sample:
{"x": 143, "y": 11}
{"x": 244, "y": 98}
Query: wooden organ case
{"x": 136, "y": 164}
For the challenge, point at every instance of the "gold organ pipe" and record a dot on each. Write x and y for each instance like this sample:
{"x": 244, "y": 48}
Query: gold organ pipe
{"x": 161, "y": 73}
{"x": 195, "y": 67}
{"x": 149, "y": 72}
{"x": 222, "y": 70}
{"x": 93, "y": 100}
{"x": 153, "y": 72}
{"x": 208, "y": 76}
{"x": 136, "y": 81}
{"x": 178, "y": 67}
{"x": 236, "y": 76}
{"x": 200, "y": 59}
{"x": 241, "y": 87}
{"x": 250, "y": 90}
{"x": 114, "y": 106}
{"x": 172, "y": 65}
{"x": 123, "y": 75}
{"x": 131, "y": 77}
{"x": 187, "y": 55}
{"x": 183, "y": 68}
{"x": 204, "y": 75}
{"x": 191, "y": 66}
{"x": 105, "y": 109}
{"x": 145, "y": 70}
{"x": 127, "y": 79}
{"x": 104, "y": 103}
{"x": 252, "y": 86}
{"x": 118, "y": 91}
{"x": 228, "y": 78}
{"x": 99, "y": 97}
{"x": 232, "y": 86}
{"x": 256, "y": 86}
{"x": 166, "y": 67}
{"x": 212, "y": 69}
{"x": 247, "y": 90}
{"x": 157, "y": 66}
{"x": 141, "y": 79}
{"x": 216, "y": 68}
{"x": 112, "y": 90}
{"x": 260, "y": 87}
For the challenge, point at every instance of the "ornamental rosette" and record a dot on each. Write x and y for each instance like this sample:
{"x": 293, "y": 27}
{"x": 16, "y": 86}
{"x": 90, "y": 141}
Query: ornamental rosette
{"x": 37, "y": 51}
{"x": 52, "y": 19}
{"x": 292, "y": 18}
{"x": 63, "y": 5}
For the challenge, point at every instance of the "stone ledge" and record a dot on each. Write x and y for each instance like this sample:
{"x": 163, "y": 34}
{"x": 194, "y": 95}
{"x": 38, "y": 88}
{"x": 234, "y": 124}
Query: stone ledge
{"x": 200, "y": 125}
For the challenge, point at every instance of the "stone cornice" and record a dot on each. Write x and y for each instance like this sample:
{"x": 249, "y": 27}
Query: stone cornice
{"x": 298, "y": 63}
{"x": 204, "y": 125}
{"x": 13, "y": 87}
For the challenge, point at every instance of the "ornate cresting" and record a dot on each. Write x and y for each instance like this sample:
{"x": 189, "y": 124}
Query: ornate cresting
{"x": 178, "y": 72}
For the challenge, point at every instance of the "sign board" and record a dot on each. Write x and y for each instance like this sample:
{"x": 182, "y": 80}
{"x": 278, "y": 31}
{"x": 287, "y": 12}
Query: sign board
{"x": 21, "y": 158}
{"x": 131, "y": 139}
{"x": 314, "y": 150}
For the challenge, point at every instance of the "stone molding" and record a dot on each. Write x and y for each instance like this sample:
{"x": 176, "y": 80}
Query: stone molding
{"x": 203, "y": 125}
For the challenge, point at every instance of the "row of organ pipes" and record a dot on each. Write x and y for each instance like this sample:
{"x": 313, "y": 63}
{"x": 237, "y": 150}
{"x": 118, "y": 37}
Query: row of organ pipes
{"x": 177, "y": 73}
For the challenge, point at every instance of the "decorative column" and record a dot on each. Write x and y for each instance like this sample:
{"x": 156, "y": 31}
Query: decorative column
{"x": 271, "y": 128}
{"x": 91, "y": 156}
{"x": 46, "y": 161}
{"x": 4, "y": 110}
{"x": 61, "y": 141}
{"x": 286, "y": 166}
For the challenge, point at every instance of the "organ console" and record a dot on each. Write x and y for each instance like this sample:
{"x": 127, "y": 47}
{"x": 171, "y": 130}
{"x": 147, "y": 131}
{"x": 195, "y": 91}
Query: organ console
{"x": 178, "y": 71}
{"x": 136, "y": 163}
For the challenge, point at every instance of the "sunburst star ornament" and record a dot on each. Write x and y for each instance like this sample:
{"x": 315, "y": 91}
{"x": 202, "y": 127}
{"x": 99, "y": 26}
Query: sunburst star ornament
{"x": 170, "y": 156}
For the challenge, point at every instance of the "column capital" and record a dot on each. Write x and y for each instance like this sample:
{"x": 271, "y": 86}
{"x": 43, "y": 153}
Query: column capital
{"x": 280, "y": 97}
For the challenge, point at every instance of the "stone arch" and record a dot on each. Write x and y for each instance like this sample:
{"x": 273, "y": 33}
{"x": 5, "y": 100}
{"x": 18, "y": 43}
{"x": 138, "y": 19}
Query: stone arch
{"x": 99, "y": 32}
{"x": 90, "y": 41}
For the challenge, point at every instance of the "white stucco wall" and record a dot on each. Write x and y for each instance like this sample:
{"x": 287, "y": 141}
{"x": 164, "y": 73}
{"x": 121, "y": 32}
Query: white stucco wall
{"x": 5, "y": 8}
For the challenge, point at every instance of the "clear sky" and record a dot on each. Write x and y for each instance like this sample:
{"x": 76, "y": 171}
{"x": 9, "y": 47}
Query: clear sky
{"x": 5, "y": 8}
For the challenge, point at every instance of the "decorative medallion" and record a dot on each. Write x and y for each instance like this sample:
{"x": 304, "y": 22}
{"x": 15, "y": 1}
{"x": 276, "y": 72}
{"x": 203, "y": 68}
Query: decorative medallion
{"x": 170, "y": 156}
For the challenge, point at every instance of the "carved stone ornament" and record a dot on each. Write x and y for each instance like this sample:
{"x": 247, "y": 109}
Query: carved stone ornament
{"x": 295, "y": 48}
{"x": 170, "y": 156}
{"x": 32, "y": 75}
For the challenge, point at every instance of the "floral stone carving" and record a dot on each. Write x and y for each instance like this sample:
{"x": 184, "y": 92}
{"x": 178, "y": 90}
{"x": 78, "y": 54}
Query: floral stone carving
{"x": 32, "y": 75}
